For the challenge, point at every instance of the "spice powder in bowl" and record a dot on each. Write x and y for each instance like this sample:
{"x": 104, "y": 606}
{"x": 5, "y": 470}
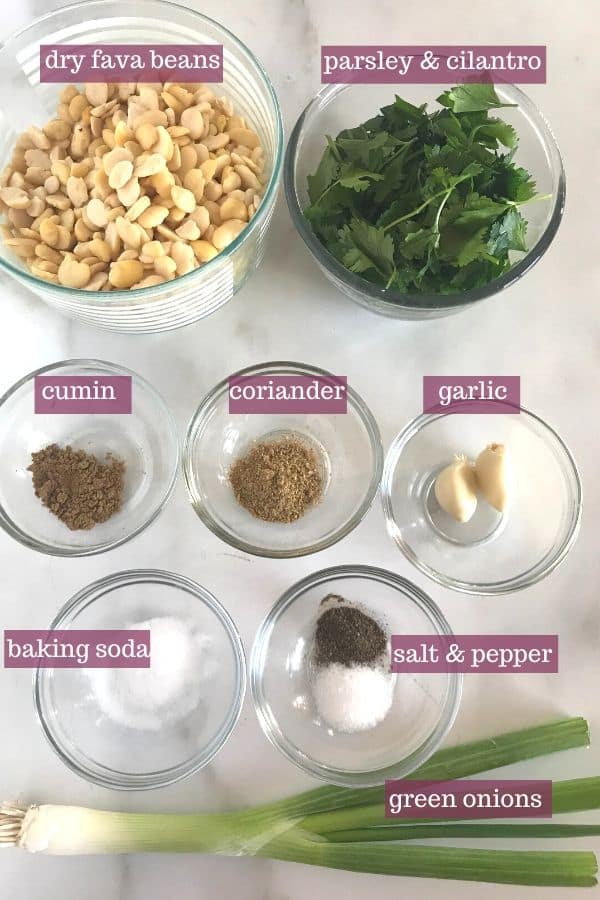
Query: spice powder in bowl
{"x": 351, "y": 684}
{"x": 278, "y": 480}
{"x": 76, "y": 486}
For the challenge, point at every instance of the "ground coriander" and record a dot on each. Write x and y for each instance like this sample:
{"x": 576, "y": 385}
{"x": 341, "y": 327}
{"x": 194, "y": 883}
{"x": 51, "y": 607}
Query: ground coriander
{"x": 278, "y": 480}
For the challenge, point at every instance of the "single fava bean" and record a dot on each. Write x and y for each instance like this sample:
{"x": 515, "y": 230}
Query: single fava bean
{"x": 96, "y": 213}
{"x": 188, "y": 230}
{"x": 14, "y": 197}
{"x": 204, "y": 251}
{"x": 232, "y": 208}
{"x": 146, "y": 135}
{"x": 120, "y": 174}
{"x": 183, "y": 199}
{"x": 245, "y": 137}
{"x": 73, "y": 274}
{"x": 124, "y": 273}
{"x": 165, "y": 266}
{"x": 192, "y": 119}
{"x": 152, "y": 216}
{"x": 96, "y": 93}
{"x": 110, "y": 159}
{"x": 77, "y": 191}
{"x": 149, "y": 164}
{"x": 195, "y": 182}
{"x": 226, "y": 233}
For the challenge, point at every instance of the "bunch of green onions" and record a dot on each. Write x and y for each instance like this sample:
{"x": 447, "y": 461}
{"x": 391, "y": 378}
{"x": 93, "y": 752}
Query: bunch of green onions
{"x": 342, "y": 828}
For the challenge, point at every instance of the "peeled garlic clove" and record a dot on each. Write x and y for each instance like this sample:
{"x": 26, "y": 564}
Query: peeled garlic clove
{"x": 493, "y": 472}
{"x": 455, "y": 489}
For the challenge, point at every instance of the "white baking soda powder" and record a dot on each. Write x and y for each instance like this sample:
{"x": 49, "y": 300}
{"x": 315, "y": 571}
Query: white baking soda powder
{"x": 181, "y": 661}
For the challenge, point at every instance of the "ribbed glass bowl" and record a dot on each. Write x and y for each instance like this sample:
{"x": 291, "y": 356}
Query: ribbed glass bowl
{"x": 123, "y": 757}
{"x": 423, "y": 707}
{"x": 349, "y": 446}
{"x": 493, "y": 553}
{"x": 145, "y": 439}
{"x": 337, "y": 107}
{"x": 24, "y": 101}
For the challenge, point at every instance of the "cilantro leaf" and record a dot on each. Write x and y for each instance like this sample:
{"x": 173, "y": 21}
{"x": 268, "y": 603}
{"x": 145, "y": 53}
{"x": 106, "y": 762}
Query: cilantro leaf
{"x": 507, "y": 234}
{"x": 401, "y": 113}
{"x": 479, "y": 210}
{"x": 367, "y": 247}
{"x": 326, "y": 174}
{"x": 516, "y": 184}
{"x": 368, "y": 151}
{"x": 417, "y": 244}
{"x": 472, "y": 98}
{"x": 497, "y": 131}
{"x": 357, "y": 179}
{"x": 461, "y": 244}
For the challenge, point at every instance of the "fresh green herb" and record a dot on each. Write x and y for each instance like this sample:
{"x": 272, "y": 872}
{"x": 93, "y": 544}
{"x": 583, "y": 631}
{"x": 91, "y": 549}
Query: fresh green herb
{"x": 345, "y": 828}
{"x": 424, "y": 202}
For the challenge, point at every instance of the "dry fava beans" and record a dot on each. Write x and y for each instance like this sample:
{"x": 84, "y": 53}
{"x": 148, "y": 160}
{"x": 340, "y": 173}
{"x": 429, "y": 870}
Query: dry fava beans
{"x": 130, "y": 185}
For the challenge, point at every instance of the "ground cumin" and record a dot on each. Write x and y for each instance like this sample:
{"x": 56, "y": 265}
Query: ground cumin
{"x": 79, "y": 489}
{"x": 278, "y": 480}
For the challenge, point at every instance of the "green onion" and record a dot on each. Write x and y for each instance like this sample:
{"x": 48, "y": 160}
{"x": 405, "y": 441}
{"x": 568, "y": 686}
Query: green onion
{"x": 306, "y": 828}
{"x": 453, "y": 830}
{"x": 567, "y": 796}
{"x": 546, "y": 868}
{"x": 453, "y": 762}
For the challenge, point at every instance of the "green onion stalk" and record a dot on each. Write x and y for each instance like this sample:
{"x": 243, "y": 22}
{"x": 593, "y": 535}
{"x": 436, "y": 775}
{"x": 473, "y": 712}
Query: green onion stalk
{"x": 344, "y": 828}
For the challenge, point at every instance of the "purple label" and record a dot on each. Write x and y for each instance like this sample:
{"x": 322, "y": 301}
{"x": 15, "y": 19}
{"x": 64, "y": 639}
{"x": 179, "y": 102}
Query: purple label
{"x": 484, "y": 653}
{"x": 472, "y": 394}
{"x": 76, "y": 63}
{"x": 365, "y": 64}
{"x": 68, "y": 394}
{"x": 76, "y": 649}
{"x": 468, "y": 799}
{"x": 288, "y": 394}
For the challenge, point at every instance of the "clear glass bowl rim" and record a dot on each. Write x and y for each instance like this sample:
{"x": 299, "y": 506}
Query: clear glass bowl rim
{"x": 342, "y": 777}
{"x": 395, "y": 299}
{"x": 522, "y": 581}
{"x": 285, "y": 367}
{"x": 109, "y": 778}
{"x": 124, "y": 298}
{"x": 22, "y": 537}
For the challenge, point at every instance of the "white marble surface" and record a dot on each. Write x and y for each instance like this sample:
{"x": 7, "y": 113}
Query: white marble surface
{"x": 545, "y": 328}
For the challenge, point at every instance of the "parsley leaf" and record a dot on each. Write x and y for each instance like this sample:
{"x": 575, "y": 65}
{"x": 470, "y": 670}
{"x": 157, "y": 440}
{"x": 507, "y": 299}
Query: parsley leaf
{"x": 467, "y": 98}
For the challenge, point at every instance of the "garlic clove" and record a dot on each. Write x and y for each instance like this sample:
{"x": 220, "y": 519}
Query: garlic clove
{"x": 456, "y": 489}
{"x": 493, "y": 473}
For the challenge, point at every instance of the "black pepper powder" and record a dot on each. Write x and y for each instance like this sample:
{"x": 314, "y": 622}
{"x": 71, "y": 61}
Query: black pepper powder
{"x": 347, "y": 636}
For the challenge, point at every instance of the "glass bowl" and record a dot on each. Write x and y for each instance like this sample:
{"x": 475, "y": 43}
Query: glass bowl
{"x": 337, "y": 107}
{"x": 349, "y": 446}
{"x": 24, "y": 101}
{"x": 493, "y": 553}
{"x": 72, "y": 703}
{"x": 423, "y": 708}
{"x": 146, "y": 440}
